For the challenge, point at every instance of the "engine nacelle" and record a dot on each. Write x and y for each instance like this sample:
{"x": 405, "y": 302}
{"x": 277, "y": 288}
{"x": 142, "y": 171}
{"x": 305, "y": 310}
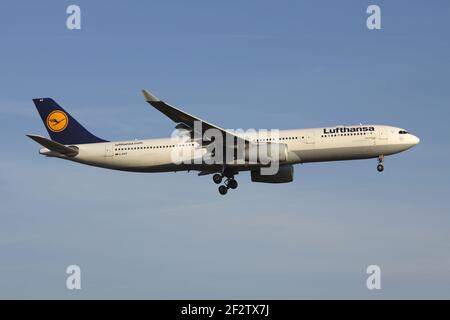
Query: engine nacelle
{"x": 285, "y": 174}
{"x": 266, "y": 152}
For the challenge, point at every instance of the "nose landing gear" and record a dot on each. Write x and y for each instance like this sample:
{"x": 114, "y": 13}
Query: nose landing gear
{"x": 380, "y": 166}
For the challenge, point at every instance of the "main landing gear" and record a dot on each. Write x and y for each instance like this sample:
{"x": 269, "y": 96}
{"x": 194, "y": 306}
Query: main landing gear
{"x": 230, "y": 183}
{"x": 380, "y": 166}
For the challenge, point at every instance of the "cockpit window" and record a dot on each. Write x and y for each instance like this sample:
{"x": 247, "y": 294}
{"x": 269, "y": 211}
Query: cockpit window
{"x": 403, "y": 132}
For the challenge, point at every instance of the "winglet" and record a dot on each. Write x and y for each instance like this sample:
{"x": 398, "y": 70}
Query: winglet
{"x": 149, "y": 97}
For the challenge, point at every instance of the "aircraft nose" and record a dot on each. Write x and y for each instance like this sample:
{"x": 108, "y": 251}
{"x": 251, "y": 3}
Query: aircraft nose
{"x": 415, "y": 140}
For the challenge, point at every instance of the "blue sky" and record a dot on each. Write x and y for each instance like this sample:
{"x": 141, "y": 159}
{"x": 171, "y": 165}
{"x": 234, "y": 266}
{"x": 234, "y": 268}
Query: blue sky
{"x": 239, "y": 64}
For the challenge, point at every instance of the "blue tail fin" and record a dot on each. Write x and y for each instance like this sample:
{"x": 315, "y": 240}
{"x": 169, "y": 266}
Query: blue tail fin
{"x": 60, "y": 124}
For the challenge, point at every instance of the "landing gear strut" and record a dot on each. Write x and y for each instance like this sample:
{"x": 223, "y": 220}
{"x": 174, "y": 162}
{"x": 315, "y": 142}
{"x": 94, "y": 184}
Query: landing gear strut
{"x": 380, "y": 166}
{"x": 230, "y": 182}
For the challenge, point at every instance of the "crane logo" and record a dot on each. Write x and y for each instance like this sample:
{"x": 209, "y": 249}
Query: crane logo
{"x": 57, "y": 121}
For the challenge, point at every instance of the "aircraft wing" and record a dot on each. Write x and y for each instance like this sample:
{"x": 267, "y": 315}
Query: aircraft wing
{"x": 183, "y": 119}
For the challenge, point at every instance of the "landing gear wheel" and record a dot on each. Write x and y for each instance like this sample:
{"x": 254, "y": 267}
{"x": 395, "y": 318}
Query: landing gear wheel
{"x": 223, "y": 190}
{"x": 217, "y": 178}
{"x": 380, "y": 168}
{"x": 232, "y": 184}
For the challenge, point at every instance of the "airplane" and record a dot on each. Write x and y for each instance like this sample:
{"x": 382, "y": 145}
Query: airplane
{"x": 71, "y": 141}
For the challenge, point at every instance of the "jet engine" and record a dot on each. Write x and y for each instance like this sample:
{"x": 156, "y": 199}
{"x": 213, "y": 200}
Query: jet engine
{"x": 285, "y": 174}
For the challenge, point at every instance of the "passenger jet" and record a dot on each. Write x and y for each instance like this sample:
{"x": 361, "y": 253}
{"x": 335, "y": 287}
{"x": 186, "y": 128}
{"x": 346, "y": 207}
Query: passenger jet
{"x": 71, "y": 141}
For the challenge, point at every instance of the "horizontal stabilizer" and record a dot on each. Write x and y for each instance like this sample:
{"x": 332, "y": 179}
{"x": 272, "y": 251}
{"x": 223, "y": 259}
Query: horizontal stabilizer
{"x": 54, "y": 146}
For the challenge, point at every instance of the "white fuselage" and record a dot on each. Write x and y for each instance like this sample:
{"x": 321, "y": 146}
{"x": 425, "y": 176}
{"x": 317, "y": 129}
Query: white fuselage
{"x": 303, "y": 145}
